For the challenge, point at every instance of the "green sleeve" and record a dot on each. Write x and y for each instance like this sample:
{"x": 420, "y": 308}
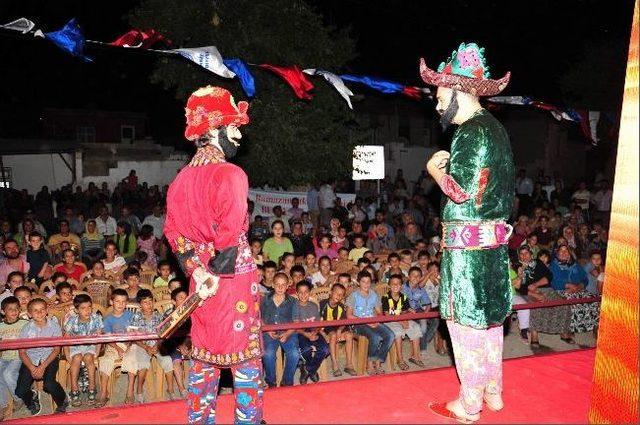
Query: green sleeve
{"x": 469, "y": 156}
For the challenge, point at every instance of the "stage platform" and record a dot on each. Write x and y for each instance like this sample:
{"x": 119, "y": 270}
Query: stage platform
{"x": 550, "y": 388}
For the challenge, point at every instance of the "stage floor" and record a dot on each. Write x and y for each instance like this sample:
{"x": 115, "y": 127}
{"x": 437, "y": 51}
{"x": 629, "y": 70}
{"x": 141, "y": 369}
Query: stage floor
{"x": 551, "y": 388}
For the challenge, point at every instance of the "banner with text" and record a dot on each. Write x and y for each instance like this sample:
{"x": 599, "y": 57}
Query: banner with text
{"x": 265, "y": 200}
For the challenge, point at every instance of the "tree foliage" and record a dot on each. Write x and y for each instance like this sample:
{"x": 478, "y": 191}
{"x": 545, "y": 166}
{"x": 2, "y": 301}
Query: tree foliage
{"x": 288, "y": 141}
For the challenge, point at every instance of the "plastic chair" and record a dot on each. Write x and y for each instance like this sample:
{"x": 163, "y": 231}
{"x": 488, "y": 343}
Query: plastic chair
{"x": 161, "y": 293}
{"x": 163, "y": 306}
{"x": 147, "y": 276}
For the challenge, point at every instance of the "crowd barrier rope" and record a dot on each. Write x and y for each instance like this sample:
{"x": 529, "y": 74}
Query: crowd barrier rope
{"x": 25, "y": 343}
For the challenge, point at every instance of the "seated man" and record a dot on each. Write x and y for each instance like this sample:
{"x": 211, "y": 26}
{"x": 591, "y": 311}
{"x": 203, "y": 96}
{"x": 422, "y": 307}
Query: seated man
{"x": 313, "y": 348}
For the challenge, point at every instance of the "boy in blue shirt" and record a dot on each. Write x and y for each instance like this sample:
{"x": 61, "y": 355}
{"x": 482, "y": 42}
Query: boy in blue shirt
{"x": 115, "y": 323}
{"x": 365, "y": 303}
{"x": 419, "y": 302}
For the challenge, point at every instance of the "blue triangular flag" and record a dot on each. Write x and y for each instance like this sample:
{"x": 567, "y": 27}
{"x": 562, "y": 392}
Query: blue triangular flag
{"x": 70, "y": 39}
{"x": 242, "y": 72}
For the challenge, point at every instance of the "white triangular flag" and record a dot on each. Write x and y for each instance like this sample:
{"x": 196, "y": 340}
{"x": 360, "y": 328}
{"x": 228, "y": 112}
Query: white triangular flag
{"x": 22, "y": 25}
{"x": 207, "y": 57}
{"x": 335, "y": 81}
{"x": 594, "y": 117}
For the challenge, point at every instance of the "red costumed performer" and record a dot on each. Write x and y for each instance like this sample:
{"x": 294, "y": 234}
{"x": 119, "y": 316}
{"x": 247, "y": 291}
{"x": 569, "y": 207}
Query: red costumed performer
{"x": 206, "y": 226}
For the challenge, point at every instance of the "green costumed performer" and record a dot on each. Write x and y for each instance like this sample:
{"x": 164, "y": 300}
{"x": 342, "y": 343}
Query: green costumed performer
{"x": 478, "y": 179}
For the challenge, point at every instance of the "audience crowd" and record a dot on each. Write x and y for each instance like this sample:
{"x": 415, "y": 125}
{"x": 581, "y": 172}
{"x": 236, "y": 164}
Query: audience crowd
{"x": 87, "y": 262}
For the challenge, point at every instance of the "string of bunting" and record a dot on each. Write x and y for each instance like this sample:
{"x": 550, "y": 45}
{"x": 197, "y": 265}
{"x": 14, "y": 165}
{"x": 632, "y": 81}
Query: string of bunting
{"x": 70, "y": 39}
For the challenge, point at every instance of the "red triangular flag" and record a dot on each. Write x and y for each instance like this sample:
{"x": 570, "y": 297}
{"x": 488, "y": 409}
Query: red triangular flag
{"x": 412, "y": 92}
{"x": 137, "y": 38}
{"x": 294, "y": 77}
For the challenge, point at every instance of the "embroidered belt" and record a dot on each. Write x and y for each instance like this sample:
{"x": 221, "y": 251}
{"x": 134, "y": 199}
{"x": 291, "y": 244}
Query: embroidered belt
{"x": 475, "y": 234}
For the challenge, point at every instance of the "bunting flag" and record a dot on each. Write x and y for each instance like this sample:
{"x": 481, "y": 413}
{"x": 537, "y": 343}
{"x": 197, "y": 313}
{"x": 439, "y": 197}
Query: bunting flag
{"x": 412, "y": 92}
{"x": 588, "y": 119}
{"x": 22, "y": 25}
{"x": 70, "y": 39}
{"x": 383, "y": 86}
{"x": 242, "y": 72}
{"x": 510, "y": 100}
{"x": 294, "y": 77}
{"x": 207, "y": 57}
{"x": 141, "y": 39}
{"x": 335, "y": 81}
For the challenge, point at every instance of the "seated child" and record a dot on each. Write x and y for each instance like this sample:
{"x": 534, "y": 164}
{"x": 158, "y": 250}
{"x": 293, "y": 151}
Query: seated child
{"x": 406, "y": 258}
{"x": 84, "y": 322}
{"x": 178, "y": 346}
{"x": 164, "y": 274}
{"x": 395, "y": 303}
{"x": 115, "y": 323}
{"x": 286, "y": 262}
{"x": 24, "y": 296}
{"x": 266, "y": 285}
{"x": 256, "y": 251}
{"x": 313, "y": 348}
{"x": 176, "y": 283}
{"x": 277, "y": 308}
{"x": 131, "y": 278}
{"x": 307, "y": 225}
{"x": 297, "y": 275}
{"x": 40, "y": 364}
{"x": 310, "y": 265}
{"x": 343, "y": 264}
{"x": 322, "y": 276}
{"x": 365, "y": 303}
{"x": 137, "y": 360}
{"x": 62, "y": 307}
{"x": 333, "y": 309}
{"x": 9, "y": 361}
{"x": 420, "y": 302}
{"x": 359, "y": 248}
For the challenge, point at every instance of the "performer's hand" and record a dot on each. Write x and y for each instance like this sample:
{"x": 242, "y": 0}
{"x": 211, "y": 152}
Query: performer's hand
{"x": 438, "y": 161}
{"x": 206, "y": 283}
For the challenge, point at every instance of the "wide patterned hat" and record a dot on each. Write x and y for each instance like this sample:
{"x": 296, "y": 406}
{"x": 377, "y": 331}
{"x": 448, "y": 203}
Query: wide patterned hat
{"x": 466, "y": 70}
{"x": 213, "y": 107}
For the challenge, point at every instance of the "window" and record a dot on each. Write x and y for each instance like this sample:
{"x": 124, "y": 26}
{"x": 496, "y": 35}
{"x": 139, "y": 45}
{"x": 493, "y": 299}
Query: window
{"x": 6, "y": 180}
{"x": 86, "y": 134}
{"x": 127, "y": 133}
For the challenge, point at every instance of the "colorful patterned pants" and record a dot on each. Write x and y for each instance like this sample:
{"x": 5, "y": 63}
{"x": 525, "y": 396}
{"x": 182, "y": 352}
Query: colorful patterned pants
{"x": 203, "y": 392}
{"x": 478, "y": 355}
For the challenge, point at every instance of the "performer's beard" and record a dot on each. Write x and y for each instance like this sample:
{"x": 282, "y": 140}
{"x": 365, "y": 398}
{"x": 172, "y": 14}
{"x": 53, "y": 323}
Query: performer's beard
{"x": 229, "y": 149}
{"x": 447, "y": 115}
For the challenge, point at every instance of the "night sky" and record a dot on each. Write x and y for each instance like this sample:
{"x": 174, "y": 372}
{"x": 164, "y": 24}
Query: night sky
{"x": 538, "y": 41}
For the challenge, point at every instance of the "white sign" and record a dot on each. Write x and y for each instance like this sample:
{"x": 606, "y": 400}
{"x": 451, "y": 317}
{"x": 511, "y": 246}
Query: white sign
{"x": 368, "y": 162}
{"x": 265, "y": 200}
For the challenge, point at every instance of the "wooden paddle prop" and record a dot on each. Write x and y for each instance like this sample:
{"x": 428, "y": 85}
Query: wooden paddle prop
{"x": 180, "y": 314}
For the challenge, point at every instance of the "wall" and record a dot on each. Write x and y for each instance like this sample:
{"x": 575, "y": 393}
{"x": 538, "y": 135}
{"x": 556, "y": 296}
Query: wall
{"x": 33, "y": 171}
{"x": 412, "y": 160}
{"x": 153, "y": 172}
